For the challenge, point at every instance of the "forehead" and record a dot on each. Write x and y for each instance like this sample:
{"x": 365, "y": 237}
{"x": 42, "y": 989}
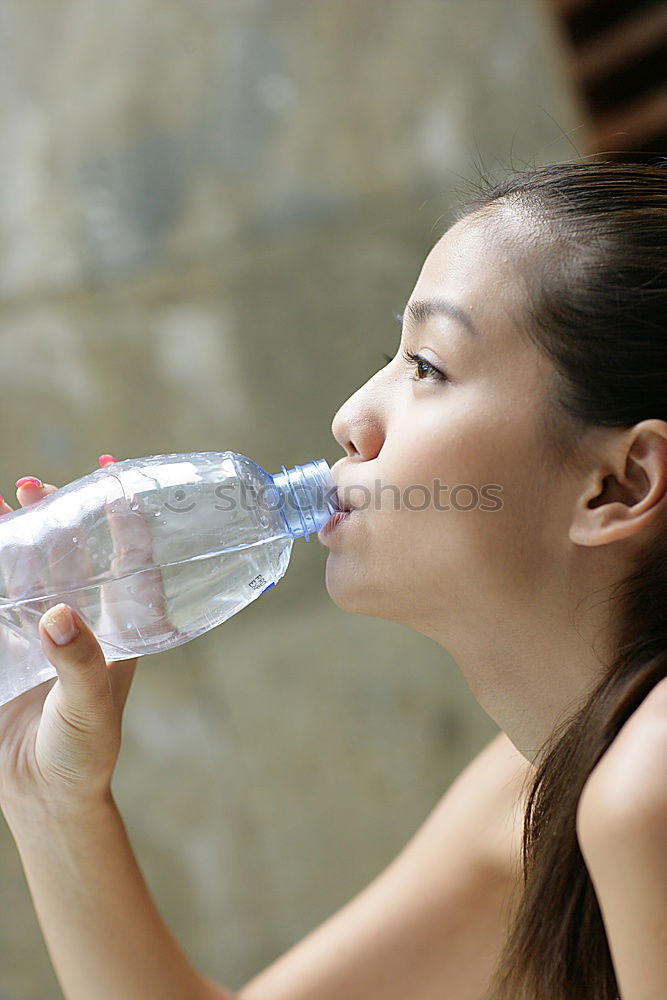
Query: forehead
{"x": 477, "y": 267}
{"x": 483, "y": 266}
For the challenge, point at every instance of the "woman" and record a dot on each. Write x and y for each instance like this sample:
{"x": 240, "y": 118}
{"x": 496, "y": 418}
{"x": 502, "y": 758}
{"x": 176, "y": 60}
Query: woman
{"x": 533, "y": 359}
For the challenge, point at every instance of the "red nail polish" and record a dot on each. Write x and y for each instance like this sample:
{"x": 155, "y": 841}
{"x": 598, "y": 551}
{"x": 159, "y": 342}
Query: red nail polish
{"x": 106, "y": 460}
{"x": 2, "y": 499}
{"x": 28, "y": 481}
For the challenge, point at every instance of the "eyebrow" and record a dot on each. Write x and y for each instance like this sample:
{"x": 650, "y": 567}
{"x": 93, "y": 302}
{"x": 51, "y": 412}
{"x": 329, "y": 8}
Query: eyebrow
{"x": 419, "y": 310}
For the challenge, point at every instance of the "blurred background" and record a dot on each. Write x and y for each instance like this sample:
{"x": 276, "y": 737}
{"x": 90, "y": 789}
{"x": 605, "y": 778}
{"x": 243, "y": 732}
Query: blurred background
{"x": 209, "y": 214}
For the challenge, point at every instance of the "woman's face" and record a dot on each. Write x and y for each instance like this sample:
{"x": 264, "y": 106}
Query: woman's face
{"x": 462, "y": 458}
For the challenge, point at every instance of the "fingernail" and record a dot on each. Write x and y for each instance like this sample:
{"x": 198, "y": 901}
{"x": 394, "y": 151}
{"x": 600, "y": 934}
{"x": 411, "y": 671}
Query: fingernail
{"x": 60, "y": 624}
{"x": 29, "y": 481}
{"x": 2, "y": 499}
{"x": 106, "y": 460}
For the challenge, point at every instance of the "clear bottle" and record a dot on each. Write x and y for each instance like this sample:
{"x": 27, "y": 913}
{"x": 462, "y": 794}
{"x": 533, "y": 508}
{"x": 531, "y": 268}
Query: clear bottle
{"x": 151, "y": 552}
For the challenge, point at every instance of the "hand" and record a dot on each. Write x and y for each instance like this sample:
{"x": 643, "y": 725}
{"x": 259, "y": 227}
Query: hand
{"x": 59, "y": 742}
{"x": 626, "y": 792}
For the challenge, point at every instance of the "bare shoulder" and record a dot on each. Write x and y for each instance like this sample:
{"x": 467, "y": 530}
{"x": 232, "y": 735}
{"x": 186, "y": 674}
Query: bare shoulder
{"x": 493, "y": 789}
{"x": 485, "y": 802}
{"x": 625, "y": 795}
{"x": 432, "y": 923}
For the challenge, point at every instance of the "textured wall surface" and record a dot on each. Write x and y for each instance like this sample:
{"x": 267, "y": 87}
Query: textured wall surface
{"x": 209, "y": 213}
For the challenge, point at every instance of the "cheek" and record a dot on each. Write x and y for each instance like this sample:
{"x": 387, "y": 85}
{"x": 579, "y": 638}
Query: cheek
{"x": 442, "y": 464}
{"x": 505, "y": 539}
{"x": 468, "y": 520}
{"x": 485, "y": 471}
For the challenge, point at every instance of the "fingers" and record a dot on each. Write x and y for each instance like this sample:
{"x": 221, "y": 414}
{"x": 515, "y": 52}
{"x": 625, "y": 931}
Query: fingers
{"x": 30, "y": 490}
{"x": 65, "y": 560}
{"x": 135, "y": 599}
{"x": 21, "y": 570}
{"x": 31, "y": 568}
{"x": 133, "y": 606}
{"x": 82, "y": 669}
{"x": 67, "y": 565}
{"x": 77, "y": 656}
{"x": 68, "y": 562}
{"x": 140, "y": 598}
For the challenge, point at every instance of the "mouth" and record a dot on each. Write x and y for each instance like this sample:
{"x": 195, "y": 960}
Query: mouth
{"x": 342, "y": 513}
{"x": 337, "y": 518}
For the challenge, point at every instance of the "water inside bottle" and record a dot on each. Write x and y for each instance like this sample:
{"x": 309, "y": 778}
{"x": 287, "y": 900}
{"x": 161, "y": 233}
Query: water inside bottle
{"x": 152, "y": 609}
{"x": 151, "y": 553}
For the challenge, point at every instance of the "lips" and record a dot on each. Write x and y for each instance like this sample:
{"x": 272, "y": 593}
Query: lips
{"x": 333, "y": 522}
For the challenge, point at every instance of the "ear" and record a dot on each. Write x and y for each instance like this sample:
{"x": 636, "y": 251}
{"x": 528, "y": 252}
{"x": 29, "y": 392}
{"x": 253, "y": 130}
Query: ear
{"x": 628, "y": 492}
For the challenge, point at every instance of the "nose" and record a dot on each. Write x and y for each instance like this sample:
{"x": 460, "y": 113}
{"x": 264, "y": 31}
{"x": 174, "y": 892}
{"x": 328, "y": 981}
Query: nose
{"x": 358, "y": 428}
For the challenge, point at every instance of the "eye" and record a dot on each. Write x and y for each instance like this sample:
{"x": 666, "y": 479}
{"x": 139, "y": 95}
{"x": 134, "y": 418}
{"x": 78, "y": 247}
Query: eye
{"x": 425, "y": 370}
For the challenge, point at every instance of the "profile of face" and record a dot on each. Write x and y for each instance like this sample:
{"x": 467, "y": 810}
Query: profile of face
{"x": 473, "y": 511}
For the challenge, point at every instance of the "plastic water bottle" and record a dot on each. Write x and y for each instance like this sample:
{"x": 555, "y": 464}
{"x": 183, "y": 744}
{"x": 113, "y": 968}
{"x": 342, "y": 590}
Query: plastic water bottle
{"x": 151, "y": 552}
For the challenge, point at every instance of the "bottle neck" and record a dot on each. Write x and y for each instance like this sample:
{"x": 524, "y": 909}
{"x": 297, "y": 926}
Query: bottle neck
{"x": 307, "y": 497}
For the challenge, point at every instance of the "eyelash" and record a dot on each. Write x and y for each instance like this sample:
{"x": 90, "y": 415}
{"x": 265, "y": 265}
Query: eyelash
{"x": 423, "y": 366}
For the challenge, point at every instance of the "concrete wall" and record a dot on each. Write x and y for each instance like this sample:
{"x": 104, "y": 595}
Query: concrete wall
{"x": 209, "y": 213}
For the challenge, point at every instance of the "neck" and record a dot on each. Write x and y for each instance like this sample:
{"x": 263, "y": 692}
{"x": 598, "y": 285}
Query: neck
{"x": 532, "y": 663}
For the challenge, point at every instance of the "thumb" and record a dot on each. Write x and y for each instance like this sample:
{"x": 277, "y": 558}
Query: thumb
{"x": 77, "y": 656}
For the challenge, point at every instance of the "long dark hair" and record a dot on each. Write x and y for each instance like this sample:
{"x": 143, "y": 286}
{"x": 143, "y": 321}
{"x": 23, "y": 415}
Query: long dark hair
{"x": 597, "y": 307}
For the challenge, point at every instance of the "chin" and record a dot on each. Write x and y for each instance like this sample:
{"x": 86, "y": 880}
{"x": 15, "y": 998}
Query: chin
{"x": 350, "y": 592}
{"x": 355, "y": 594}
